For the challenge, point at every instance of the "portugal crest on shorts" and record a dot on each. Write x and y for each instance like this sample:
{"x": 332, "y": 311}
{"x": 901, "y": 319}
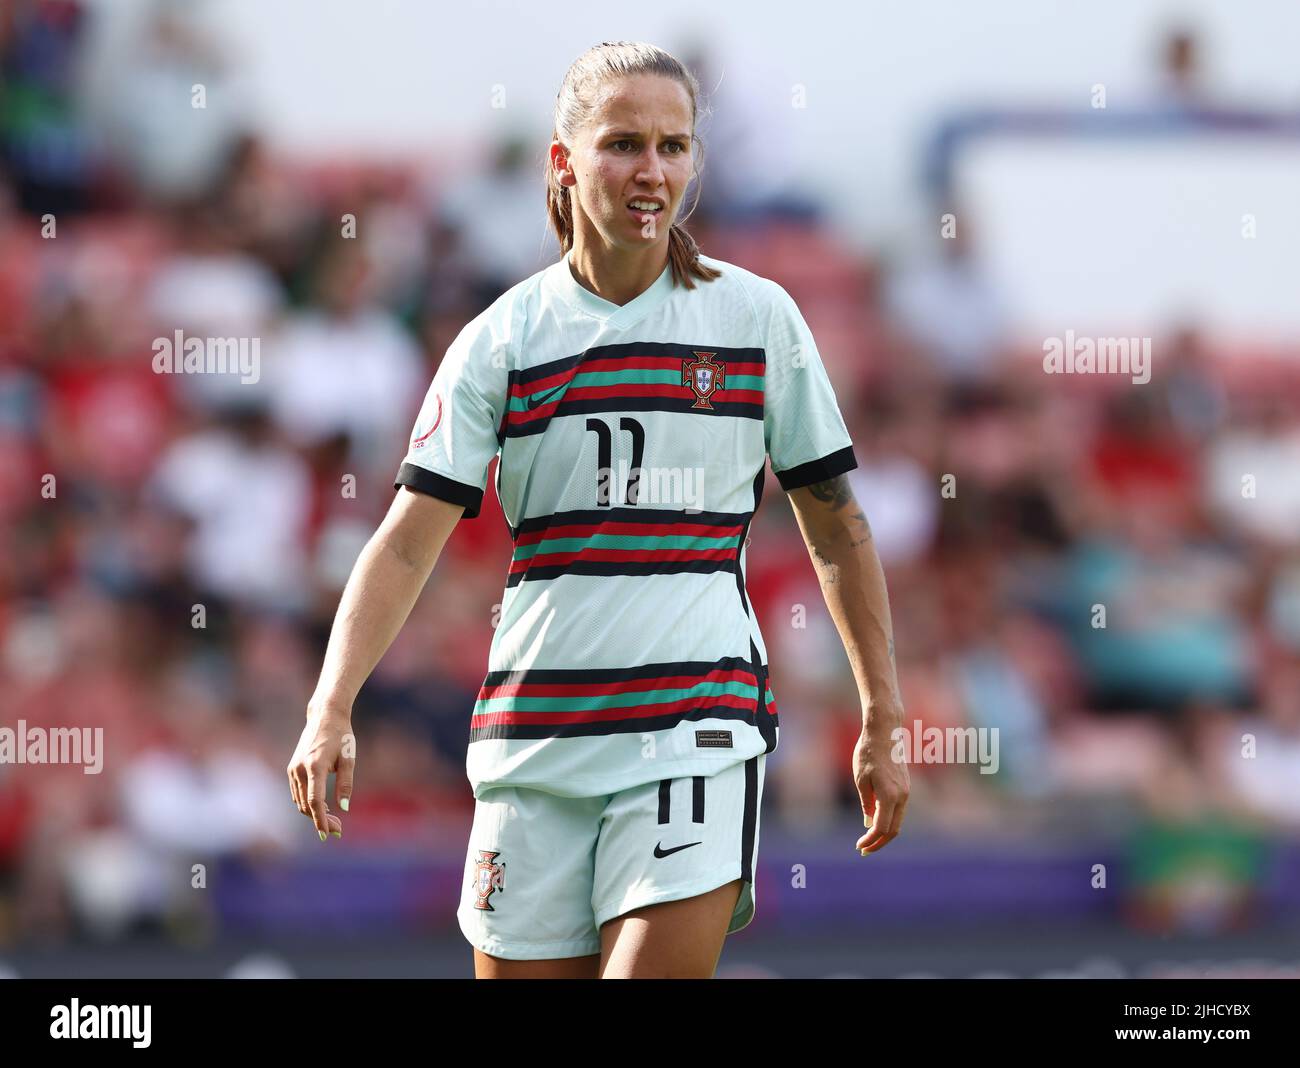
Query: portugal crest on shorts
{"x": 704, "y": 375}
{"x": 489, "y": 875}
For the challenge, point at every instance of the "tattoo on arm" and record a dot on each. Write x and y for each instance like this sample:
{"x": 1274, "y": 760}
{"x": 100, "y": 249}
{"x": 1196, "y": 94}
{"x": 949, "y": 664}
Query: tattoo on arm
{"x": 836, "y": 494}
{"x": 834, "y": 491}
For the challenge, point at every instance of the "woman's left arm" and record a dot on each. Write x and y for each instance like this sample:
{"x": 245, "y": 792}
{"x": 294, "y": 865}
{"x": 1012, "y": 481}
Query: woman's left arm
{"x": 853, "y": 584}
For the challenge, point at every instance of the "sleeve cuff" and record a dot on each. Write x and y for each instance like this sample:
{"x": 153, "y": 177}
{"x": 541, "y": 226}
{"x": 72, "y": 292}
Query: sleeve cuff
{"x": 836, "y": 463}
{"x": 445, "y": 489}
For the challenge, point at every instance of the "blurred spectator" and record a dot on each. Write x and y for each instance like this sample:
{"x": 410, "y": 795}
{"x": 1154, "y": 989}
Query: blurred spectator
{"x": 209, "y": 288}
{"x": 178, "y": 106}
{"x": 747, "y": 163}
{"x": 1251, "y": 473}
{"x": 1138, "y": 453}
{"x": 949, "y": 306}
{"x": 205, "y": 792}
{"x": 248, "y": 496}
{"x": 116, "y": 414}
{"x": 1258, "y": 755}
{"x": 1197, "y": 401}
{"x": 257, "y": 202}
{"x": 1172, "y": 630}
{"x": 44, "y": 143}
{"x": 499, "y": 212}
{"x": 995, "y": 693}
{"x": 1181, "y": 83}
{"x": 897, "y": 493}
{"x": 1282, "y": 602}
{"x": 346, "y": 366}
{"x": 447, "y": 292}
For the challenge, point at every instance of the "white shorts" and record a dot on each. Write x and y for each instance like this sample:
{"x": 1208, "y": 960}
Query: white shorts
{"x": 544, "y": 872}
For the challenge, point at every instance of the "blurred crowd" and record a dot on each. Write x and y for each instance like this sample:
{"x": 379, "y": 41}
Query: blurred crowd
{"x": 173, "y": 546}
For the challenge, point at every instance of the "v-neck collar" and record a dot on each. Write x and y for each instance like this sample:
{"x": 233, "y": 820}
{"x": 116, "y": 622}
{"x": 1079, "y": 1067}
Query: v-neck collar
{"x": 611, "y": 314}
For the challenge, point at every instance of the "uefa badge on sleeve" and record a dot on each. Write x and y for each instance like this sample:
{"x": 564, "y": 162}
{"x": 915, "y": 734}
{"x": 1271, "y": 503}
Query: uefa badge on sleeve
{"x": 418, "y": 443}
{"x": 704, "y": 375}
{"x": 489, "y": 876}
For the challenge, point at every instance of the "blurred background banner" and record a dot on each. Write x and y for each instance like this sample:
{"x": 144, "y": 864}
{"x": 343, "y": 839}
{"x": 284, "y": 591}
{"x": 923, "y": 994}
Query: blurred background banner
{"x": 1049, "y": 260}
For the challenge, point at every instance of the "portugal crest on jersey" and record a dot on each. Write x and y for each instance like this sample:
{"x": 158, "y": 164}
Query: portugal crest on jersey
{"x": 489, "y": 876}
{"x": 704, "y": 376}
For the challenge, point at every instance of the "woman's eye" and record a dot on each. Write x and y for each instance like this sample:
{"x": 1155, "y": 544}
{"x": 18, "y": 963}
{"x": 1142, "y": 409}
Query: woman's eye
{"x": 671, "y": 144}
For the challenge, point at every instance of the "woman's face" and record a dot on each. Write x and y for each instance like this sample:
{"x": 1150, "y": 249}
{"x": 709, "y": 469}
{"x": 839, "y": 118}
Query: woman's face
{"x": 637, "y": 147}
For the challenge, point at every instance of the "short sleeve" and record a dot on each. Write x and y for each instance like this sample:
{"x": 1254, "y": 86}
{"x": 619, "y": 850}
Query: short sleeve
{"x": 455, "y": 434}
{"x": 802, "y": 426}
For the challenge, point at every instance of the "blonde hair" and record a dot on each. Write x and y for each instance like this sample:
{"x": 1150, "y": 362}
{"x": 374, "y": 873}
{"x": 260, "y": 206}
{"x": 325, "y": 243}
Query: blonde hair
{"x": 573, "y": 110}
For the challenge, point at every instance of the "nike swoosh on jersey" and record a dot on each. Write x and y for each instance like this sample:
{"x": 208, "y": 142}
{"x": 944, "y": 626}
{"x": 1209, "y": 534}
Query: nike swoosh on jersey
{"x": 660, "y": 852}
{"x": 530, "y": 403}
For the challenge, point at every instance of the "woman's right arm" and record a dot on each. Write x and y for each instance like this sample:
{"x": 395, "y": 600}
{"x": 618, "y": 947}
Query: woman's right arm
{"x": 381, "y": 591}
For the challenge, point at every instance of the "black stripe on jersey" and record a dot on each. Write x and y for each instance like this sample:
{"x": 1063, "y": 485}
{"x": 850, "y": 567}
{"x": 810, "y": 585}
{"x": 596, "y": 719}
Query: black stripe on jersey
{"x": 697, "y": 799}
{"x": 835, "y": 463}
{"x": 664, "y": 516}
{"x": 612, "y": 567}
{"x": 634, "y": 348}
{"x": 740, "y": 544}
{"x": 588, "y": 730}
{"x": 445, "y": 489}
{"x": 766, "y": 722}
{"x": 682, "y": 405}
{"x": 597, "y": 675}
{"x": 608, "y": 519}
{"x": 525, "y": 376}
{"x": 749, "y": 821}
{"x": 665, "y": 800}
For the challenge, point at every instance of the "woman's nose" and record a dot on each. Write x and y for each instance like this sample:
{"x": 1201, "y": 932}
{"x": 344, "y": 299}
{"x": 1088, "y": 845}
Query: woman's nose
{"x": 651, "y": 171}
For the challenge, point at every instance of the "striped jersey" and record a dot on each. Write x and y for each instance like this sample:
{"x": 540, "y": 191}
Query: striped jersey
{"x": 632, "y": 443}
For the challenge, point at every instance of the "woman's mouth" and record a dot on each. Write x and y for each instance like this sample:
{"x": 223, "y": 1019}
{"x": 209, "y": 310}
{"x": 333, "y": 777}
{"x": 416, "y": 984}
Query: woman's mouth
{"x": 645, "y": 210}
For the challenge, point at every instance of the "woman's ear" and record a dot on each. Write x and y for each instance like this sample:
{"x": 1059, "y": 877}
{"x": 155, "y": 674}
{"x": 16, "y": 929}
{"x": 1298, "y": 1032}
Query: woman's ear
{"x": 561, "y": 164}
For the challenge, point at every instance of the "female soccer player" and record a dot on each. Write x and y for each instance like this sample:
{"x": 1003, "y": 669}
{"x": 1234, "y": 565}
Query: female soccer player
{"x": 632, "y": 391}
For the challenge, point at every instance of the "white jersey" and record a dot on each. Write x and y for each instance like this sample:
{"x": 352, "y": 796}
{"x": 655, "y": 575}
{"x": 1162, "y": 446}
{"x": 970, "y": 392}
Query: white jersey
{"x": 632, "y": 443}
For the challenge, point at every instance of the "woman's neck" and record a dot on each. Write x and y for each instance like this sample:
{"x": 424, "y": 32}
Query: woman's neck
{"x": 617, "y": 275}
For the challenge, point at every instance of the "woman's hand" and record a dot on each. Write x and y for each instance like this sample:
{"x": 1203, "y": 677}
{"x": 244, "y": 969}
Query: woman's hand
{"x": 327, "y": 744}
{"x": 883, "y": 785}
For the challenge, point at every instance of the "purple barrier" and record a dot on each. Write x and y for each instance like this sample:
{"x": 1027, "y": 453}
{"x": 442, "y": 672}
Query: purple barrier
{"x": 801, "y": 884}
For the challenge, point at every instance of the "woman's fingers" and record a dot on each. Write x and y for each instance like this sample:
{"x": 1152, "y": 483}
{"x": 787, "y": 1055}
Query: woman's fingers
{"x": 343, "y": 780}
{"x": 298, "y": 783}
{"x": 325, "y": 746}
{"x": 879, "y": 835}
{"x": 316, "y": 779}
